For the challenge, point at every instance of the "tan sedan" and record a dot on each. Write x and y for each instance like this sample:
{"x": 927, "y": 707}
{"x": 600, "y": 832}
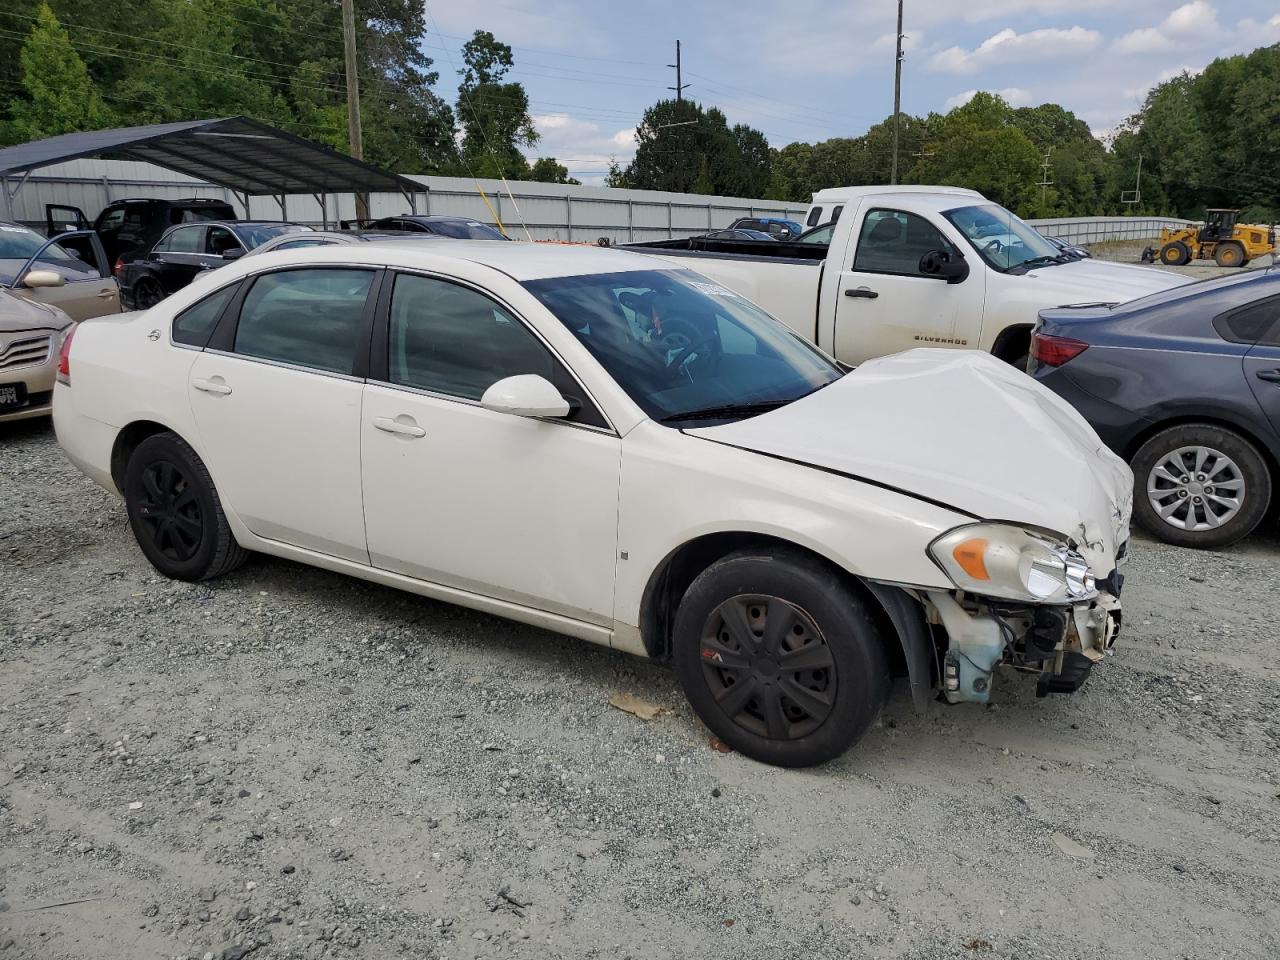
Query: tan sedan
{"x": 69, "y": 272}
{"x": 30, "y": 337}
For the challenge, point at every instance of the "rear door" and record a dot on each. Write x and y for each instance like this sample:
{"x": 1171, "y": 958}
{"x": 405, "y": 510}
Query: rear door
{"x": 276, "y": 398}
{"x": 883, "y": 301}
{"x": 1262, "y": 362}
{"x": 179, "y": 256}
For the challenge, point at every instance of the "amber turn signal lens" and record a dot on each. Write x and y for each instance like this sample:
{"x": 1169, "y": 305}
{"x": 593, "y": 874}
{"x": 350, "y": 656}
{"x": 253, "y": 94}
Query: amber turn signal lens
{"x": 969, "y": 555}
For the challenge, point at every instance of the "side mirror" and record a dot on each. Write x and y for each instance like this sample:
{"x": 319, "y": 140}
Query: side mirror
{"x": 233, "y": 253}
{"x": 952, "y": 268}
{"x": 43, "y": 278}
{"x": 526, "y": 395}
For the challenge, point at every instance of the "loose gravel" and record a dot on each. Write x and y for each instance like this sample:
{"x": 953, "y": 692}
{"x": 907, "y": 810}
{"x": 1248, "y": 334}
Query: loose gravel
{"x": 286, "y": 763}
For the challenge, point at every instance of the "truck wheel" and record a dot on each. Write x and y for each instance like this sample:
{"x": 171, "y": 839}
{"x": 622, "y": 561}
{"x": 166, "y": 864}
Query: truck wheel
{"x": 175, "y": 512}
{"x": 1175, "y": 254}
{"x": 779, "y": 658}
{"x": 1199, "y": 485}
{"x": 1229, "y": 255}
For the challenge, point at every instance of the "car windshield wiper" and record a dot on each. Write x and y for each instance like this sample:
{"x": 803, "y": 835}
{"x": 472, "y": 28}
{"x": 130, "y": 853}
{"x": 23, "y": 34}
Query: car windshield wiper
{"x": 1044, "y": 261}
{"x": 728, "y": 411}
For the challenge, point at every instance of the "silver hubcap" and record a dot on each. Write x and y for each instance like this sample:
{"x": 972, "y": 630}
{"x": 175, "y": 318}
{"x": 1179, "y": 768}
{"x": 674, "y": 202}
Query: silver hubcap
{"x": 1196, "y": 488}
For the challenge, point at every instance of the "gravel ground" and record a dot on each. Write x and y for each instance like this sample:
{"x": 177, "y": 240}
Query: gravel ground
{"x": 290, "y": 764}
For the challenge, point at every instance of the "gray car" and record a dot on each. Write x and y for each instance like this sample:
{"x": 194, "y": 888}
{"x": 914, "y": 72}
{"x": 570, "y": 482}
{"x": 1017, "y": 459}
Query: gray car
{"x": 328, "y": 238}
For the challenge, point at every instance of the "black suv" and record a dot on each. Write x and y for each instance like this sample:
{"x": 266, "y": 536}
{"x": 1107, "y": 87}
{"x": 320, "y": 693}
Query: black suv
{"x": 129, "y": 228}
{"x": 191, "y": 248}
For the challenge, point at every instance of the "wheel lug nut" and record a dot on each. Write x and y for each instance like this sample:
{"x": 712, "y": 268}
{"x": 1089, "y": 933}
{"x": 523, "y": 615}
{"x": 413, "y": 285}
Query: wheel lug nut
{"x": 1182, "y": 493}
{"x": 1200, "y": 476}
{"x": 1195, "y": 499}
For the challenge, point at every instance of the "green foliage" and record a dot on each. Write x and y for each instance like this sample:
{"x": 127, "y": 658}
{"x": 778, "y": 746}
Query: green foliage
{"x": 546, "y": 170}
{"x": 683, "y": 148}
{"x": 495, "y": 116}
{"x": 57, "y": 95}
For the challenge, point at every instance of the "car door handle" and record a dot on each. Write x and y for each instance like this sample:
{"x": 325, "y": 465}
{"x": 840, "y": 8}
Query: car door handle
{"x": 866, "y": 293}
{"x": 106, "y": 294}
{"x": 1271, "y": 376}
{"x": 409, "y": 429}
{"x": 211, "y": 386}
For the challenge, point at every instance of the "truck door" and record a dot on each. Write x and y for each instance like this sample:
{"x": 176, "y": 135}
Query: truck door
{"x": 60, "y": 218}
{"x": 884, "y": 302}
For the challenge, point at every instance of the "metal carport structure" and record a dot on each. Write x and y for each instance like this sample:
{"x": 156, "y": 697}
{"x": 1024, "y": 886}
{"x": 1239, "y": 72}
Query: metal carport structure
{"x": 244, "y": 155}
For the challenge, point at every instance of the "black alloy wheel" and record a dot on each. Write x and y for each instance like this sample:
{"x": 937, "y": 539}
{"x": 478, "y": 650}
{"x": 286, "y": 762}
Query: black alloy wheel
{"x": 778, "y": 656}
{"x": 146, "y": 294}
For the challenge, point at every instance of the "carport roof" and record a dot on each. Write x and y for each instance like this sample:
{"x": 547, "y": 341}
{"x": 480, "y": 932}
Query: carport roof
{"x": 240, "y": 153}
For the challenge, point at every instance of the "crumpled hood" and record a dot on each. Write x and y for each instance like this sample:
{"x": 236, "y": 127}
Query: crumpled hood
{"x": 1087, "y": 281}
{"x": 963, "y": 429}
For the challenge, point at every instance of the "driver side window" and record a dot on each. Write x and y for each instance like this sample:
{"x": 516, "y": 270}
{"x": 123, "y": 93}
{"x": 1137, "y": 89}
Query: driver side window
{"x": 893, "y": 241}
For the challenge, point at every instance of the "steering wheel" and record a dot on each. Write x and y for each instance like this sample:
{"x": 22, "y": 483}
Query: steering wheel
{"x": 683, "y": 355}
{"x": 995, "y": 246}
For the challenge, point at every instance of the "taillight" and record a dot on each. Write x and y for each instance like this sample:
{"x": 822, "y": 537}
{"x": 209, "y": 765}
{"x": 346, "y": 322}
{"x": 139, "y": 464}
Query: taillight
{"x": 118, "y": 268}
{"x": 64, "y": 358}
{"x": 1055, "y": 351}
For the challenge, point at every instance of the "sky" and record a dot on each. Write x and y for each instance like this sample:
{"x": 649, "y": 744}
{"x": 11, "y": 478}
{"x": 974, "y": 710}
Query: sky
{"x": 810, "y": 70}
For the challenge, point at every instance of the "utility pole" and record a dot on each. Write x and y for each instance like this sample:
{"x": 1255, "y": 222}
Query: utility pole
{"x": 353, "y": 97}
{"x": 1045, "y": 182}
{"x": 679, "y": 87}
{"x": 897, "y": 99}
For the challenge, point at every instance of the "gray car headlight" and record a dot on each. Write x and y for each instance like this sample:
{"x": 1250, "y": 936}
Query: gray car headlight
{"x": 1013, "y": 563}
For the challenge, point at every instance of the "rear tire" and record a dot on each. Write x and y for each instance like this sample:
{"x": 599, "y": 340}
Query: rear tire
{"x": 1175, "y": 254}
{"x": 146, "y": 294}
{"x": 1229, "y": 254}
{"x": 175, "y": 512}
{"x": 1236, "y": 486}
{"x": 779, "y": 658}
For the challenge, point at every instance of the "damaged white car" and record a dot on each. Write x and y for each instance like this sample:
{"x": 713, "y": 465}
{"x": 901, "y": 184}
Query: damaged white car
{"x": 594, "y": 442}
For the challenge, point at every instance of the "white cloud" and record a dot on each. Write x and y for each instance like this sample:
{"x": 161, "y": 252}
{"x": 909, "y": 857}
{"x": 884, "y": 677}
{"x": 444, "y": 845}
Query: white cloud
{"x": 582, "y": 145}
{"x": 1188, "y": 24}
{"x": 1014, "y": 96}
{"x": 1009, "y": 46}
{"x": 910, "y": 41}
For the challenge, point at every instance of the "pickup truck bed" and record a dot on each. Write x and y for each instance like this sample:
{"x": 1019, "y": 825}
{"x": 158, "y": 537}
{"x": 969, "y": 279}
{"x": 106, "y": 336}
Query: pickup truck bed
{"x": 750, "y": 249}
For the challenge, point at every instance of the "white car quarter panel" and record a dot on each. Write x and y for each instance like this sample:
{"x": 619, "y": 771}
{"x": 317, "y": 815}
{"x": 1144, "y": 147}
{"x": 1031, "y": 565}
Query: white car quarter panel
{"x": 516, "y": 508}
{"x": 677, "y": 487}
{"x": 283, "y": 449}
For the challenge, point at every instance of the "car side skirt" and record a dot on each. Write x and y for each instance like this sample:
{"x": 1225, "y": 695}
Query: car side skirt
{"x": 554, "y": 622}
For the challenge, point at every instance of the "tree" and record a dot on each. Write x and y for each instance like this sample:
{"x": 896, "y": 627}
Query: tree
{"x": 57, "y": 94}
{"x": 682, "y": 148}
{"x": 546, "y": 170}
{"x": 495, "y": 116}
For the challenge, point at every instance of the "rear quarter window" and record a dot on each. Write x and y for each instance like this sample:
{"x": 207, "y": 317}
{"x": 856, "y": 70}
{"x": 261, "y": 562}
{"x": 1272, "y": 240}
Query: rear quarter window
{"x": 194, "y": 325}
{"x": 1255, "y": 323}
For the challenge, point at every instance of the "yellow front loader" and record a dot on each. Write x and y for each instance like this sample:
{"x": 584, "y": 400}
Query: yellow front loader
{"x": 1220, "y": 239}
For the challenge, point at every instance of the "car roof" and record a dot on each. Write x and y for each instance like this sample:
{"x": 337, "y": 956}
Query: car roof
{"x": 519, "y": 260}
{"x": 946, "y": 196}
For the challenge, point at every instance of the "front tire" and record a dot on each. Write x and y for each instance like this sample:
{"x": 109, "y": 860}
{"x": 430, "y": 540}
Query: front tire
{"x": 779, "y": 657}
{"x": 1175, "y": 254}
{"x": 1200, "y": 485}
{"x": 175, "y": 512}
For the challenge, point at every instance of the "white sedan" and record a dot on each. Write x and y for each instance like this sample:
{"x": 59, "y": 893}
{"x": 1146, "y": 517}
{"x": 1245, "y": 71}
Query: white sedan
{"x": 600, "y": 444}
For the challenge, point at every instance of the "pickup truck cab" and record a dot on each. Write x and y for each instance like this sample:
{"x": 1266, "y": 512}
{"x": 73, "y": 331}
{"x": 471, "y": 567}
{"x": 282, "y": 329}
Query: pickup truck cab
{"x": 912, "y": 266}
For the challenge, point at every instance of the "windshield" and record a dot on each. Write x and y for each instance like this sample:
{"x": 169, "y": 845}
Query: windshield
{"x": 1000, "y": 238}
{"x": 684, "y": 348}
{"x": 466, "y": 230}
{"x": 256, "y": 234}
{"x": 20, "y": 243}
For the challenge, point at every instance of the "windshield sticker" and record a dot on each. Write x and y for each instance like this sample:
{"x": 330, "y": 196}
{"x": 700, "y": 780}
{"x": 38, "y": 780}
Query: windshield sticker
{"x": 713, "y": 289}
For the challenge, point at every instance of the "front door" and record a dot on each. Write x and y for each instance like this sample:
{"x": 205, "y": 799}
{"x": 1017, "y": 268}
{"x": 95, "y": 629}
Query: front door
{"x": 511, "y": 507}
{"x": 276, "y": 399}
{"x": 179, "y": 256}
{"x": 88, "y": 289}
{"x": 885, "y": 303}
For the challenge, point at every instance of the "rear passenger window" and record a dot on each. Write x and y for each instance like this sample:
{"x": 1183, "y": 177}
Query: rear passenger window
{"x": 815, "y": 217}
{"x": 312, "y": 318}
{"x": 194, "y": 324}
{"x": 186, "y": 240}
{"x": 1256, "y": 323}
{"x": 449, "y": 339}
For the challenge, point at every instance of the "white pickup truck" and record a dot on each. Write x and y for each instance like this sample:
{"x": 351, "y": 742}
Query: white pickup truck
{"x": 909, "y": 266}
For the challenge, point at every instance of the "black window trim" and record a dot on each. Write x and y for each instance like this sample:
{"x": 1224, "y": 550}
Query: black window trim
{"x": 379, "y": 349}
{"x": 222, "y": 341}
{"x": 231, "y": 302}
{"x": 1221, "y": 323}
{"x": 857, "y": 245}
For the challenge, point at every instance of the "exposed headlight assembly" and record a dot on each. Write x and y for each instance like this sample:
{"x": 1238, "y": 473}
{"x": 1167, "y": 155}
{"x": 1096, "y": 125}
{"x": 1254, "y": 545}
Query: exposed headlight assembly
{"x": 1012, "y": 563}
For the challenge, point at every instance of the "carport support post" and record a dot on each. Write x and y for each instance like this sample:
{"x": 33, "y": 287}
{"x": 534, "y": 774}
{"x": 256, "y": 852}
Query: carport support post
{"x": 284, "y": 206}
{"x": 324, "y": 211}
